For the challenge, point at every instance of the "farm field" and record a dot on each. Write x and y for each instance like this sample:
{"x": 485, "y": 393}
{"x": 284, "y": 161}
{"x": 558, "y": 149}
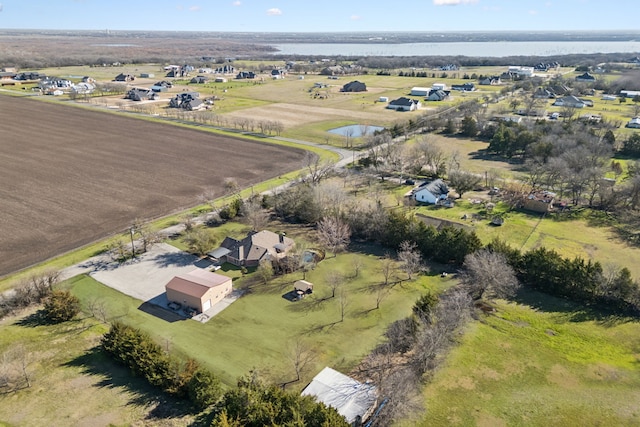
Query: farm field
{"x": 74, "y": 176}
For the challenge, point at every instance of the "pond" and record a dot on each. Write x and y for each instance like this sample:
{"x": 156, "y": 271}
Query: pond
{"x": 355, "y": 131}
{"x": 311, "y": 256}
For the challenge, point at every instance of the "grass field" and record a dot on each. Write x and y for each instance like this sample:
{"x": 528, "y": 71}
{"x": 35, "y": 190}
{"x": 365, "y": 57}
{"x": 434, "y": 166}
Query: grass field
{"x": 549, "y": 365}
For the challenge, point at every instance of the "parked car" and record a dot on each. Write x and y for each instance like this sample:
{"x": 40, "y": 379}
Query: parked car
{"x": 409, "y": 182}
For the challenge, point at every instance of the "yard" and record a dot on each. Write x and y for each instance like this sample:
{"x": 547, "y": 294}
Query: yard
{"x": 257, "y": 331}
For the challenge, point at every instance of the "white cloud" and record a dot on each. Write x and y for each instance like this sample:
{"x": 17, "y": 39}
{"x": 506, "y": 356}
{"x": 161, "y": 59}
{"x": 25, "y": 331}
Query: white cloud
{"x": 356, "y": 17}
{"x": 452, "y": 2}
{"x": 237, "y": 3}
{"x": 533, "y": 12}
{"x": 274, "y": 12}
{"x": 194, "y": 8}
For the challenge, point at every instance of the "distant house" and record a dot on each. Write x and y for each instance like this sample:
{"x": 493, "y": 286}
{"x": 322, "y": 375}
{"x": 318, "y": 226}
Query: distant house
{"x": 466, "y": 87}
{"x": 352, "y": 399}
{"x": 7, "y": 75}
{"x": 199, "y": 289}
{"x": 586, "y": 77}
{"x": 560, "y": 89}
{"x": 354, "y": 86}
{"x": 630, "y": 93}
{"x": 173, "y": 73}
{"x": 490, "y": 81}
{"x": 431, "y": 192}
{"x": 437, "y": 95}
{"x": 199, "y": 79}
{"x": 140, "y": 94}
{"x": 220, "y": 79}
{"x": 420, "y": 91}
{"x": 257, "y": 246}
{"x": 29, "y": 75}
{"x": 278, "y": 74}
{"x": 83, "y": 88}
{"x": 404, "y": 104}
{"x": 245, "y": 75}
{"x": 569, "y": 101}
{"x": 539, "y": 201}
{"x": 187, "y": 101}
{"x": 634, "y": 123}
{"x": 542, "y": 93}
{"x": 161, "y": 86}
{"x": 225, "y": 69}
{"x": 124, "y": 78}
{"x": 439, "y": 86}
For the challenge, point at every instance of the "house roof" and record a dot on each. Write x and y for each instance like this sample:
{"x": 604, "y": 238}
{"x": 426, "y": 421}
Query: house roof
{"x": 197, "y": 282}
{"x": 256, "y": 245}
{"x": 348, "y": 396}
{"x": 436, "y": 187}
{"x": 403, "y": 101}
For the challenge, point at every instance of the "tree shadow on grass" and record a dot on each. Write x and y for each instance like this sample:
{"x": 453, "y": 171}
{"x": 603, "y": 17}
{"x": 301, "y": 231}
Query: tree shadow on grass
{"x": 574, "y": 311}
{"x": 96, "y": 363}
{"x": 308, "y": 304}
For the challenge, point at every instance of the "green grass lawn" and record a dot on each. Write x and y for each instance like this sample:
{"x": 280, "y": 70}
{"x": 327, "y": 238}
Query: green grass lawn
{"x": 526, "y": 367}
{"x": 71, "y": 385}
{"x": 257, "y": 331}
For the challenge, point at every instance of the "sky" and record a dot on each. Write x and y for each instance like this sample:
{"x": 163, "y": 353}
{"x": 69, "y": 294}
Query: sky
{"x": 318, "y": 16}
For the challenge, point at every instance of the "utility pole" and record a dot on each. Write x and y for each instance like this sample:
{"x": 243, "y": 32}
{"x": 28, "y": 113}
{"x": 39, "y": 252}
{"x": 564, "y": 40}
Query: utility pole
{"x": 133, "y": 247}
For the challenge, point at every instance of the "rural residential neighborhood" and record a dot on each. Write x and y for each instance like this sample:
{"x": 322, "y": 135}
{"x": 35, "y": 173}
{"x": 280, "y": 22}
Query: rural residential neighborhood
{"x": 203, "y": 229}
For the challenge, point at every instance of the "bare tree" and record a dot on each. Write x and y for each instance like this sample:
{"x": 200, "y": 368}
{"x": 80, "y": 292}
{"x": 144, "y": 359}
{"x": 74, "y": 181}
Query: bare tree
{"x": 410, "y": 258}
{"x": 317, "y": 169}
{"x": 148, "y": 236}
{"x": 488, "y": 274}
{"x": 463, "y": 181}
{"x": 231, "y": 186}
{"x": 430, "y": 154}
{"x": 334, "y": 280}
{"x": 265, "y": 271}
{"x": 200, "y": 240}
{"x": 118, "y": 249}
{"x": 387, "y": 267}
{"x": 254, "y": 214}
{"x": 382, "y": 292}
{"x": 348, "y": 137}
{"x": 334, "y": 234}
{"x": 187, "y": 221}
{"x": 357, "y": 266}
{"x": 300, "y": 355}
{"x": 343, "y": 300}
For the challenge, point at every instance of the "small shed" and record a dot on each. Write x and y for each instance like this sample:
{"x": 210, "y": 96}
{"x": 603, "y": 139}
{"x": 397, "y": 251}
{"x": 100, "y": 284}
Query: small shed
{"x": 303, "y": 287}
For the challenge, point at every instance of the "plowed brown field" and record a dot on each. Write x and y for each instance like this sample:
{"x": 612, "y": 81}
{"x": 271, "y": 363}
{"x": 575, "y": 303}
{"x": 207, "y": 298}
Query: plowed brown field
{"x": 70, "y": 176}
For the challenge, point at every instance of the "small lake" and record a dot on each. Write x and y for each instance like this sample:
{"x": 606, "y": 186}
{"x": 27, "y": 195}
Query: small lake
{"x": 355, "y": 131}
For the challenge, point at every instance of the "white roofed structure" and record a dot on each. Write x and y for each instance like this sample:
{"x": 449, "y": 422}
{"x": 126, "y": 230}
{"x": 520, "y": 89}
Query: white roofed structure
{"x": 352, "y": 399}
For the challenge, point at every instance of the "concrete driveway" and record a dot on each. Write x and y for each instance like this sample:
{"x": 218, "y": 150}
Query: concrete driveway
{"x": 145, "y": 276}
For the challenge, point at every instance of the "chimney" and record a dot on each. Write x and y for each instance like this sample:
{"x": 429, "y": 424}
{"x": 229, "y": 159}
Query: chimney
{"x": 282, "y": 237}
{"x": 241, "y": 253}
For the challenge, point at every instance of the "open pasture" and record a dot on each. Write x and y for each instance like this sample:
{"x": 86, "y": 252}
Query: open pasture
{"x": 71, "y": 176}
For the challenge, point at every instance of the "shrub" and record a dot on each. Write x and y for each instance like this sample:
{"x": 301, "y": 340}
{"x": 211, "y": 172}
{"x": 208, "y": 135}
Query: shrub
{"x": 61, "y": 306}
{"x": 204, "y": 389}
